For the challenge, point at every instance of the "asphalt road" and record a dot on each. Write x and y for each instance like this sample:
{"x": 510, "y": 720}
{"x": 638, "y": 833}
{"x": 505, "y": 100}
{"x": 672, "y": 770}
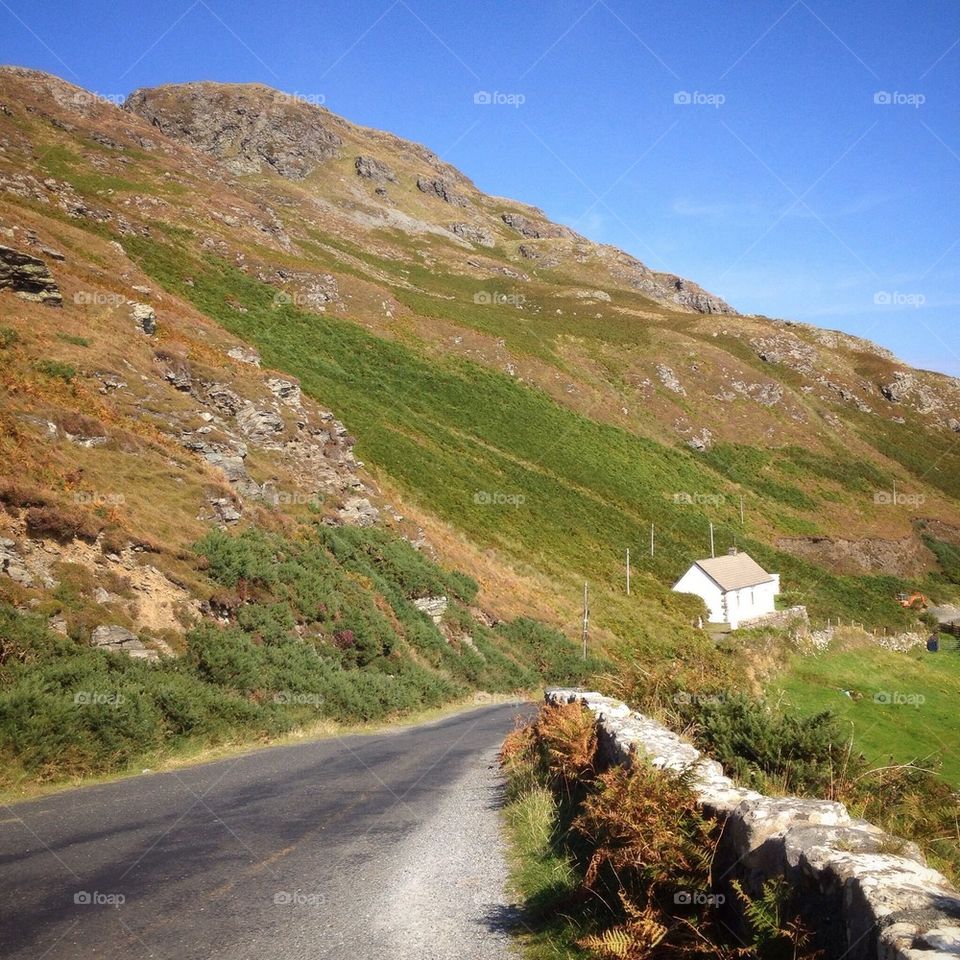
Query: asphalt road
{"x": 383, "y": 846}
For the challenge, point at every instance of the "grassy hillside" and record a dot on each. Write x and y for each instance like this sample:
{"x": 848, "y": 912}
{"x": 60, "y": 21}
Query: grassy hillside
{"x": 900, "y": 707}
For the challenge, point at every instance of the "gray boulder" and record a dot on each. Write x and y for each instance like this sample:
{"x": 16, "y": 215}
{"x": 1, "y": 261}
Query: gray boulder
{"x": 28, "y": 277}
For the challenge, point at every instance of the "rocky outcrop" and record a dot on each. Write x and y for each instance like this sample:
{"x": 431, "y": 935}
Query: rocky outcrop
{"x": 145, "y": 317}
{"x": 11, "y": 563}
{"x": 116, "y": 639}
{"x": 433, "y": 607}
{"x": 370, "y": 168}
{"x": 247, "y": 127}
{"x": 863, "y": 900}
{"x": 28, "y": 277}
{"x": 670, "y": 380}
{"x": 472, "y": 234}
{"x": 665, "y": 288}
{"x": 442, "y": 189}
{"x": 908, "y": 387}
{"x": 906, "y": 557}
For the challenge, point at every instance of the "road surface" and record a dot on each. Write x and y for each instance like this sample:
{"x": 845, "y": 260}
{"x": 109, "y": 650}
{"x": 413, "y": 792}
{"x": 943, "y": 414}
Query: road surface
{"x": 382, "y": 846}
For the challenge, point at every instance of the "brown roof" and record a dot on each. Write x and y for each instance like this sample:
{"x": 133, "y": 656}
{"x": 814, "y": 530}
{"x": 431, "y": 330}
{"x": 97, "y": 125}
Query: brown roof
{"x": 734, "y": 571}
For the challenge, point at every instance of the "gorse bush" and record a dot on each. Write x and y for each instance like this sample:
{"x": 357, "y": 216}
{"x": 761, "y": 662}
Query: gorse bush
{"x": 757, "y": 744}
{"x": 322, "y": 626}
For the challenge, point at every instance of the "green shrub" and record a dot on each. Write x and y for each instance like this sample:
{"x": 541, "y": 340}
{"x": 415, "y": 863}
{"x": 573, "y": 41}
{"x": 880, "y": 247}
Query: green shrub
{"x": 56, "y": 369}
{"x": 8, "y": 337}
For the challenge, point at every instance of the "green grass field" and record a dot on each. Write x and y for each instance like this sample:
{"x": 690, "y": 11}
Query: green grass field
{"x": 903, "y": 706}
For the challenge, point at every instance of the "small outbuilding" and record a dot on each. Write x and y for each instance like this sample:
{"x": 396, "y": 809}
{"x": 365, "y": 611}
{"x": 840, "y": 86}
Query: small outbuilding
{"x": 735, "y": 588}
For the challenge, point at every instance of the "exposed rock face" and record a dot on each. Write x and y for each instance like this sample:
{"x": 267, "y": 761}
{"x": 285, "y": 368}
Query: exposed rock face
{"x": 11, "y": 563}
{"x": 359, "y": 512}
{"x": 908, "y": 387}
{"x": 522, "y": 225}
{"x": 291, "y": 138}
{"x": 691, "y": 295}
{"x": 670, "y": 380}
{"x": 28, "y": 277}
{"x": 145, "y": 317}
{"x": 442, "y": 189}
{"x": 666, "y": 288}
{"x": 370, "y": 168}
{"x": 902, "y": 558}
{"x": 467, "y": 231}
{"x": 433, "y": 607}
{"x": 115, "y": 639}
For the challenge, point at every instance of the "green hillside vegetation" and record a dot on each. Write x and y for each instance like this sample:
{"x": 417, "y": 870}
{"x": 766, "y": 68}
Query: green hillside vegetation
{"x": 325, "y": 629}
{"x": 577, "y": 491}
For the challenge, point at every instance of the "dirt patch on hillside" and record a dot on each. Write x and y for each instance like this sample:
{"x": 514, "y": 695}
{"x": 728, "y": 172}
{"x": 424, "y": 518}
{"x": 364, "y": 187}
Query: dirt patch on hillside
{"x": 906, "y": 557}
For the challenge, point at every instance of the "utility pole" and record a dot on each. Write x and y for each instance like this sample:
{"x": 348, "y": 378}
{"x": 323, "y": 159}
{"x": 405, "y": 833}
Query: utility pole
{"x": 628, "y": 571}
{"x": 586, "y": 618}
{"x": 741, "y": 511}
{"x": 712, "y": 551}
{"x": 651, "y": 539}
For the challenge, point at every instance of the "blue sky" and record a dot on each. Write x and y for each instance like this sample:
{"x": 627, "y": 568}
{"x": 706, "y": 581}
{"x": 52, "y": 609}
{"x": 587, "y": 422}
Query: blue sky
{"x": 799, "y": 158}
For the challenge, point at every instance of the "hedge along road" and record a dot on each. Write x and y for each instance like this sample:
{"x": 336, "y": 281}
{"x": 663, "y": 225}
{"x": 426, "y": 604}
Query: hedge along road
{"x": 376, "y": 846}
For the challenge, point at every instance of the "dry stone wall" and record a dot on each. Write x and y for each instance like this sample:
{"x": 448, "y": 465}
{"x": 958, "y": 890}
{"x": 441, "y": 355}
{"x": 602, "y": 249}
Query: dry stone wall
{"x": 868, "y": 895}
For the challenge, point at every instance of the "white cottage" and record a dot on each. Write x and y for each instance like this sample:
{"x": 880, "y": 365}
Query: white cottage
{"x": 735, "y": 588}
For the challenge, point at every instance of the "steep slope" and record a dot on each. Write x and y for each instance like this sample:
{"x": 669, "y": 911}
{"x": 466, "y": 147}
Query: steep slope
{"x": 234, "y": 263}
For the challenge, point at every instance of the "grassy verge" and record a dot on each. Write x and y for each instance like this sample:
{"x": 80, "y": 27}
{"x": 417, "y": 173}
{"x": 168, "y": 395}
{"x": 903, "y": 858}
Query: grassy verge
{"x": 543, "y": 878}
{"x": 191, "y": 754}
